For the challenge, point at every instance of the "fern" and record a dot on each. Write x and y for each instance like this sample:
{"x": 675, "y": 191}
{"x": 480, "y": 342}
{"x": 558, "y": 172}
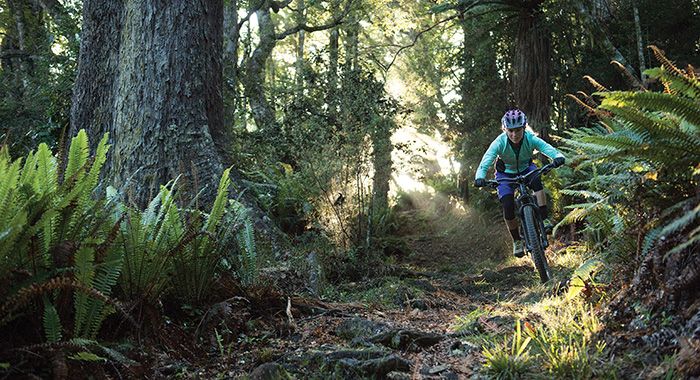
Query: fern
{"x": 46, "y": 224}
{"x": 647, "y": 136}
{"x": 77, "y": 157}
{"x": 52, "y": 322}
{"x": 248, "y": 254}
{"x": 219, "y": 206}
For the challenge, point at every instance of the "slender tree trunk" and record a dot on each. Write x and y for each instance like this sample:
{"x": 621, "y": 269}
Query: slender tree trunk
{"x": 300, "y": 63}
{"x": 532, "y": 71}
{"x": 601, "y": 38}
{"x": 230, "y": 63}
{"x": 254, "y": 73}
{"x": 640, "y": 43}
{"x": 58, "y": 13}
{"x": 351, "y": 42}
{"x": 332, "y": 97}
{"x": 381, "y": 161}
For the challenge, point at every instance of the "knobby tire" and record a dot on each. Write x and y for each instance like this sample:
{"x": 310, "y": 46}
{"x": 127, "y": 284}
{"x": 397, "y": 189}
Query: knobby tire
{"x": 529, "y": 222}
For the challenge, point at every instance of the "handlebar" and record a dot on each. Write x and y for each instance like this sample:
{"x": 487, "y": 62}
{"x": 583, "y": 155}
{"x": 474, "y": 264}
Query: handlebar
{"x": 493, "y": 183}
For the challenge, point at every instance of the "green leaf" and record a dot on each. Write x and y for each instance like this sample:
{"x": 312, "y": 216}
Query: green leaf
{"x": 87, "y": 357}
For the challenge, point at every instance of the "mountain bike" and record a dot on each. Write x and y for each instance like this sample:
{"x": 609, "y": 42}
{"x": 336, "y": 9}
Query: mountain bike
{"x": 532, "y": 228}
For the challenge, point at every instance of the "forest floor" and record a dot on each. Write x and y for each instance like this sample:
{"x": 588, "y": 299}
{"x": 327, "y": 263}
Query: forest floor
{"x": 454, "y": 288}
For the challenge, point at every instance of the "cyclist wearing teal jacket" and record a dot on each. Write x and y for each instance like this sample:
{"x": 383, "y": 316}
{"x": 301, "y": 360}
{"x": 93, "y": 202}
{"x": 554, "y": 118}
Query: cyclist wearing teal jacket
{"x": 512, "y": 150}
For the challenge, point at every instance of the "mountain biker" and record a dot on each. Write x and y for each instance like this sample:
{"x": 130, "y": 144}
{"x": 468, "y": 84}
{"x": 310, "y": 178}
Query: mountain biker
{"x": 512, "y": 150}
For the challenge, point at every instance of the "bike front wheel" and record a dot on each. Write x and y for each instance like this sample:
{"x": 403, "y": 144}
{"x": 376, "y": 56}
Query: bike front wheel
{"x": 534, "y": 243}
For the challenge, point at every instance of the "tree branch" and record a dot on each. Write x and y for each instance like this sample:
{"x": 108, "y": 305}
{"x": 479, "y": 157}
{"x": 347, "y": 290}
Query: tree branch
{"x": 336, "y": 21}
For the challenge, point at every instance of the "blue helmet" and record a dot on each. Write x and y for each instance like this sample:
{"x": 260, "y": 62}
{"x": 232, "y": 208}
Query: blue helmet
{"x": 514, "y": 118}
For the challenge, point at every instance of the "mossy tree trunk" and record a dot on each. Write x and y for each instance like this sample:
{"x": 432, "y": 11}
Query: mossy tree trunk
{"x": 150, "y": 73}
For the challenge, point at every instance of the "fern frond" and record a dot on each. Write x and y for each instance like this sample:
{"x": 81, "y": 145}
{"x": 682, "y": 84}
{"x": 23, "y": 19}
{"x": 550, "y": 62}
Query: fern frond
{"x": 47, "y": 179}
{"x": 93, "y": 175}
{"x": 661, "y": 57}
{"x": 219, "y": 206}
{"x": 9, "y": 178}
{"x": 248, "y": 253}
{"x": 583, "y": 193}
{"x": 77, "y": 155}
{"x": 591, "y": 110}
{"x": 84, "y": 274}
{"x": 26, "y": 294}
{"x": 681, "y": 85}
{"x": 52, "y": 322}
{"x": 628, "y": 75}
{"x": 683, "y": 108}
{"x": 595, "y": 83}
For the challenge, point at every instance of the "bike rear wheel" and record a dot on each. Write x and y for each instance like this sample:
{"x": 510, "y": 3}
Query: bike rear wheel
{"x": 535, "y": 244}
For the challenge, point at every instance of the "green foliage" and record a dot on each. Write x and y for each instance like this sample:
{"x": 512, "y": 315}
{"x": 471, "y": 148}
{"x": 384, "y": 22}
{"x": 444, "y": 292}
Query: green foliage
{"x": 52, "y": 323}
{"x": 641, "y": 164}
{"x": 53, "y": 227}
{"x": 509, "y": 360}
{"x": 178, "y": 252}
{"x": 583, "y": 277}
{"x": 469, "y": 323}
{"x": 247, "y": 256}
{"x": 567, "y": 351}
{"x": 36, "y": 74}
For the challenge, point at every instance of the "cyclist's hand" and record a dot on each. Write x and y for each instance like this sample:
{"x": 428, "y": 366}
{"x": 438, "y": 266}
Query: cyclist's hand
{"x": 479, "y": 182}
{"x": 559, "y": 161}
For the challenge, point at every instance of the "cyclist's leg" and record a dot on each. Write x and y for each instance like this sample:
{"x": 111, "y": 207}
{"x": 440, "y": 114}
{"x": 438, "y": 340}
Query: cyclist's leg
{"x": 506, "y": 196}
{"x": 536, "y": 186}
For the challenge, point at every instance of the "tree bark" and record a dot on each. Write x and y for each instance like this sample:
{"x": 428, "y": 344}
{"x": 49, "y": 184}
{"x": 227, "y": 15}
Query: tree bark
{"x": 168, "y": 106}
{"x": 150, "y": 74}
{"x": 332, "y": 97}
{"x": 253, "y": 68}
{"x": 381, "y": 161}
{"x": 532, "y": 70}
{"x": 94, "y": 89}
{"x": 231, "y": 45}
{"x": 300, "y": 64}
{"x": 640, "y": 43}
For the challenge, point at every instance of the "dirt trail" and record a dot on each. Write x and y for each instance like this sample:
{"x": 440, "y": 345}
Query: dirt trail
{"x": 403, "y": 326}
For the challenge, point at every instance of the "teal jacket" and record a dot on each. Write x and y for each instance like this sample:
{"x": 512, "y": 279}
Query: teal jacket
{"x": 514, "y": 163}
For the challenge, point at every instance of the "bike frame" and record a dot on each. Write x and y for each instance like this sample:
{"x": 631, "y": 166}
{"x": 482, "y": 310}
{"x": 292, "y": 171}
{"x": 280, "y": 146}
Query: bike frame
{"x": 526, "y": 198}
{"x": 526, "y": 203}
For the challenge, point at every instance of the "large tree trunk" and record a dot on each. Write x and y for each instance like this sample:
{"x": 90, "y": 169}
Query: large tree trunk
{"x": 168, "y": 104}
{"x": 94, "y": 89}
{"x": 532, "y": 71}
{"x": 150, "y": 73}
